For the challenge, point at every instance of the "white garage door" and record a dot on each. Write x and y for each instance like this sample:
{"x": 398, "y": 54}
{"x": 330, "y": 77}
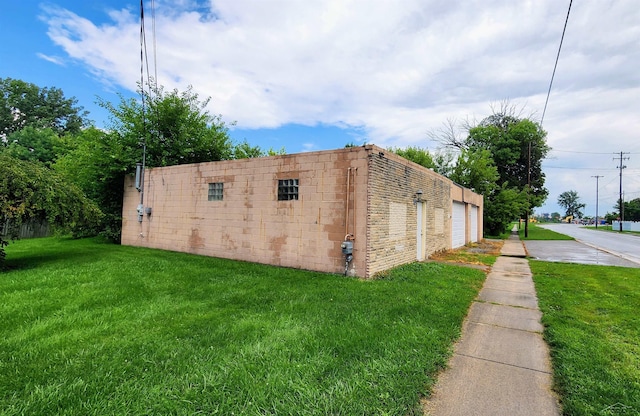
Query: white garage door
{"x": 473, "y": 221}
{"x": 458, "y": 225}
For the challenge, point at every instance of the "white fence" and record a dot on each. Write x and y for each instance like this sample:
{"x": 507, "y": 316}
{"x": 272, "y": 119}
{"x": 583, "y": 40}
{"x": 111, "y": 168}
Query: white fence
{"x": 626, "y": 225}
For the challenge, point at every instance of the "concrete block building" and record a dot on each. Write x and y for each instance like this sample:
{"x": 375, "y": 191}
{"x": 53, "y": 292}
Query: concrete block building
{"x": 304, "y": 210}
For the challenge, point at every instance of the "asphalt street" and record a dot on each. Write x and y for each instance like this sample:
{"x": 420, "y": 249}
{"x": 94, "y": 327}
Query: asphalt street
{"x": 591, "y": 247}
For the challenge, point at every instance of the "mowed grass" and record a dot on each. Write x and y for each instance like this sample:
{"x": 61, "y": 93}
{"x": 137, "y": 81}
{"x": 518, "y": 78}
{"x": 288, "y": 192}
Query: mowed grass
{"x": 539, "y": 233}
{"x": 94, "y": 329}
{"x": 592, "y": 325}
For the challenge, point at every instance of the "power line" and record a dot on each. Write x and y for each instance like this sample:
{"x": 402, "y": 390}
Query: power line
{"x": 586, "y": 153}
{"x": 575, "y": 168}
{"x": 140, "y": 168}
{"x": 556, "y": 64}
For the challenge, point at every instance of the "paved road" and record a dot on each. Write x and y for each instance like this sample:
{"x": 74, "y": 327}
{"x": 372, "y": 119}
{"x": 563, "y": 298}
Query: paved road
{"x": 622, "y": 245}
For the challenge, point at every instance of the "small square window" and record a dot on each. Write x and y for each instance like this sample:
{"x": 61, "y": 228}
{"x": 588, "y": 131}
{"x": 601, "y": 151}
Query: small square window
{"x": 287, "y": 189}
{"x": 216, "y": 191}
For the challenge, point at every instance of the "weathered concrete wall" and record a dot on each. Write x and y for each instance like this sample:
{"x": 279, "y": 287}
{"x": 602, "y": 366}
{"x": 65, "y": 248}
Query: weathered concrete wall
{"x": 250, "y": 223}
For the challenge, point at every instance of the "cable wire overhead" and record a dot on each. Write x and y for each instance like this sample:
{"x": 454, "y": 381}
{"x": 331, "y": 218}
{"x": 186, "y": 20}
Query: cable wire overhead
{"x": 556, "y": 64}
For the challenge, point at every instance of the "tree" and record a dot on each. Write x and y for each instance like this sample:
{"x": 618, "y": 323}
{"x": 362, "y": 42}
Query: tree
{"x": 245, "y": 151}
{"x": 23, "y": 104}
{"x": 476, "y": 171}
{"x": 415, "y": 154}
{"x": 499, "y": 209}
{"x": 36, "y": 145}
{"x": 98, "y": 165}
{"x": 570, "y": 201}
{"x": 176, "y": 129}
{"x": 517, "y": 147}
{"x": 632, "y": 210}
{"x": 440, "y": 162}
{"x": 30, "y": 191}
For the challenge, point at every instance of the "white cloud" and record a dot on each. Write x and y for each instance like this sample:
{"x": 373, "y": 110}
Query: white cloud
{"x": 393, "y": 69}
{"x": 53, "y": 59}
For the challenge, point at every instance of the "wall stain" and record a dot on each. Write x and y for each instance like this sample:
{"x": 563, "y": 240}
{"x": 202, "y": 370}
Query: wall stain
{"x": 195, "y": 241}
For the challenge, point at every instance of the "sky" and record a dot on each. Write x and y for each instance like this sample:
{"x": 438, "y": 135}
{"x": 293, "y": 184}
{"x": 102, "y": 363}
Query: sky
{"x": 319, "y": 74}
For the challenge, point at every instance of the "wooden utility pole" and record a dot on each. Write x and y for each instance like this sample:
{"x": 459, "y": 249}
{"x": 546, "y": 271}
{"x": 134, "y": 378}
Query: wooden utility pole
{"x": 597, "y": 177}
{"x": 526, "y": 224}
{"x": 621, "y": 166}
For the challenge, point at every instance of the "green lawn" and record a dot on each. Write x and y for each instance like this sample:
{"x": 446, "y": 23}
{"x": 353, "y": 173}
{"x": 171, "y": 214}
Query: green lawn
{"x": 592, "y": 324}
{"x": 539, "y": 233}
{"x": 92, "y": 328}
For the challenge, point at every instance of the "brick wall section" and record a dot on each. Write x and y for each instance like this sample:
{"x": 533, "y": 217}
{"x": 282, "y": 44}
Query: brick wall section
{"x": 250, "y": 223}
{"x": 393, "y": 182}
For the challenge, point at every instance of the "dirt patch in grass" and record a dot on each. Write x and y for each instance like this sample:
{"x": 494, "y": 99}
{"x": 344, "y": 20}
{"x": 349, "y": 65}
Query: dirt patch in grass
{"x": 479, "y": 255}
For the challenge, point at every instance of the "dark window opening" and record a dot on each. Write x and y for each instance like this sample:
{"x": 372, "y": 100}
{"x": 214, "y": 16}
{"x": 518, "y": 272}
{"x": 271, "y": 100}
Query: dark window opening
{"x": 287, "y": 189}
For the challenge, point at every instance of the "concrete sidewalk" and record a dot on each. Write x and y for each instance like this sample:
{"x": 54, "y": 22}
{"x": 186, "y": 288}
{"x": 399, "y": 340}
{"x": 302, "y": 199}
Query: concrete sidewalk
{"x": 501, "y": 364}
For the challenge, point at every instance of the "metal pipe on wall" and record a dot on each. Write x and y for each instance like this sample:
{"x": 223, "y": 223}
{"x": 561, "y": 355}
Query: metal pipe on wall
{"x": 346, "y": 220}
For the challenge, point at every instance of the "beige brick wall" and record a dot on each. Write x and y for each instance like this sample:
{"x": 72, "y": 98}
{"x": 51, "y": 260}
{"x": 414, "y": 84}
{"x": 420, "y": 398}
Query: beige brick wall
{"x": 393, "y": 183}
{"x": 250, "y": 223}
{"x": 365, "y": 192}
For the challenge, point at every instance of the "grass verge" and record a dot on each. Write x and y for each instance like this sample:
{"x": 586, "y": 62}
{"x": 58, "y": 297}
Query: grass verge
{"x": 539, "y": 233}
{"x": 592, "y": 325}
{"x": 610, "y": 229}
{"x": 93, "y": 329}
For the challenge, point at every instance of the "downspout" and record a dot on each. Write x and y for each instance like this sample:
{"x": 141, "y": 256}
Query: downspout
{"x": 348, "y": 236}
{"x": 346, "y": 220}
{"x": 347, "y": 244}
{"x": 355, "y": 199}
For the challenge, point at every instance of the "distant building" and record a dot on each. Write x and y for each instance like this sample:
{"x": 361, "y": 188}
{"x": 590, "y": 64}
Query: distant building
{"x": 297, "y": 210}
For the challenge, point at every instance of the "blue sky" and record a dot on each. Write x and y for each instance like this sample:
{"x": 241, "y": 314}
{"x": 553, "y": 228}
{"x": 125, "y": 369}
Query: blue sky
{"x": 318, "y": 74}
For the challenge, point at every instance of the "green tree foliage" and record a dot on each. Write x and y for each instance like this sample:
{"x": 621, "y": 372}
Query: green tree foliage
{"x": 440, "y": 162}
{"x": 517, "y": 147}
{"x": 417, "y": 155}
{"x": 476, "y": 171}
{"x": 37, "y": 145}
{"x": 570, "y": 201}
{"x": 176, "y": 129}
{"x": 175, "y": 126}
{"x": 98, "y": 164}
{"x": 445, "y": 162}
{"x": 30, "y": 191}
{"x": 631, "y": 210}
{"x": 23, "y": 104}
{"x": 245, "y": 151}
{"x": 499, "y": 208}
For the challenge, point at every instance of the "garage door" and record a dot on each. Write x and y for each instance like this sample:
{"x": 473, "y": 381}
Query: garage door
{"x": 473, "y": 221}
{"x": 458, "y": 225}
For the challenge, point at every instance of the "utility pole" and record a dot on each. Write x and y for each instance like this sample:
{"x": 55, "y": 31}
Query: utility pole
{"x": 526, "y": 224}
{"x": 621, "y": 166}
{"x": 597, "y": 177}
